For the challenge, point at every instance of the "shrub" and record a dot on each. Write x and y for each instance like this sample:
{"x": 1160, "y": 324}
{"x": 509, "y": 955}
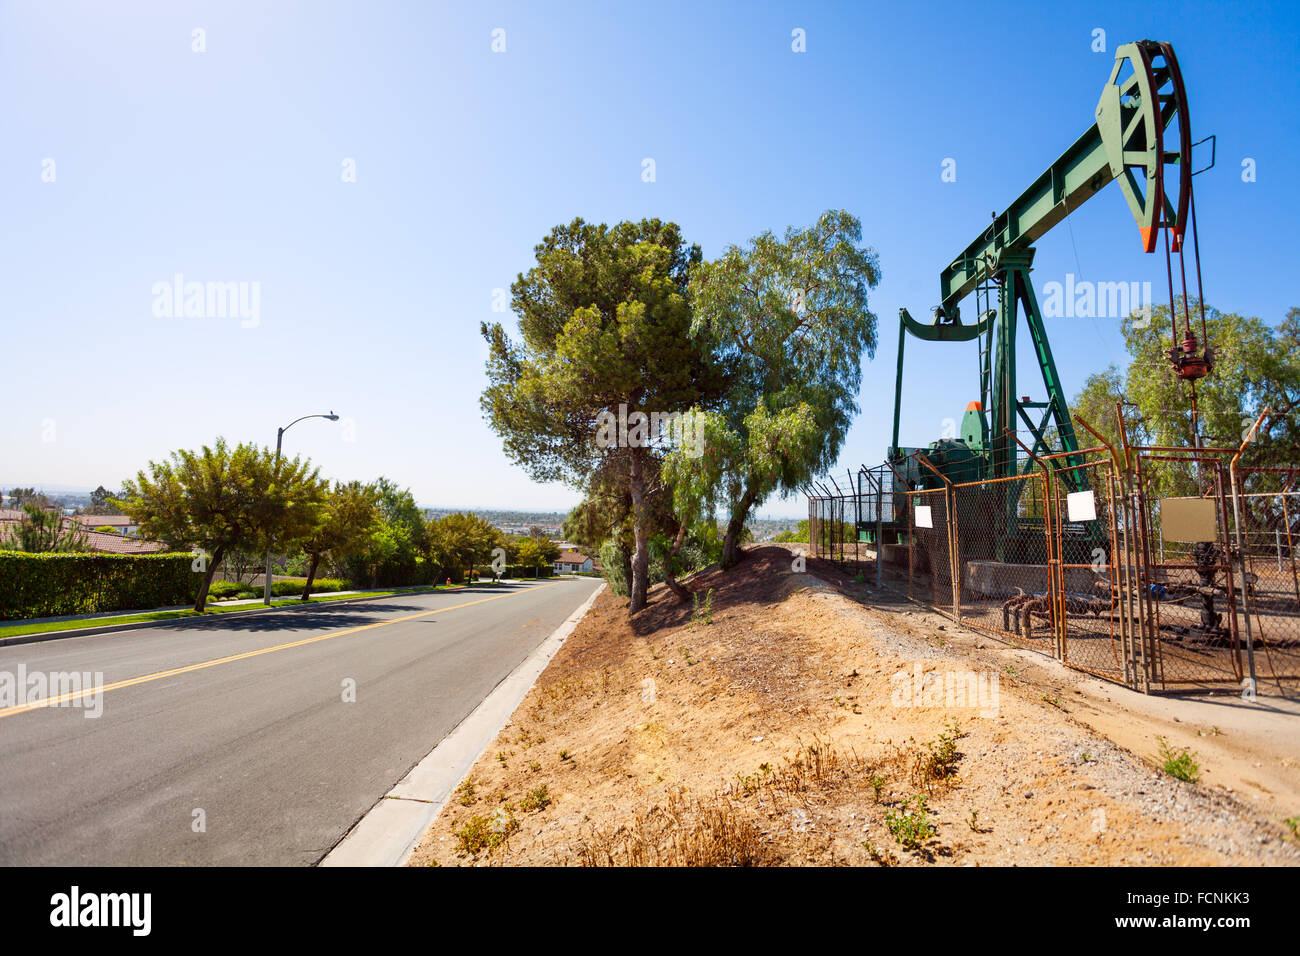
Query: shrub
{"x": 221, "y": 590}
{"x": 292, "y": 587}
{"x": 536, "y": 800}
{"x": 49, "y": 584}
{"x": 1179, "y": 765}
{"x": 911, "y": 828}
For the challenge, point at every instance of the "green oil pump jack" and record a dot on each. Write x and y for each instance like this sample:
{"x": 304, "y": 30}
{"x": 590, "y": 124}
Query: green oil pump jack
{"x": 1142, "y": 111}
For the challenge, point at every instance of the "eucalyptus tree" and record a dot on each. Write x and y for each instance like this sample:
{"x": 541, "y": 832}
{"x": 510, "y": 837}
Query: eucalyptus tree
{"x": 789, "y": 317}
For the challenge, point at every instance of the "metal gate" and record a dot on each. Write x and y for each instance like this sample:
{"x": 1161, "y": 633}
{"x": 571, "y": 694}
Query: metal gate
{"x": 1172, "y": 572}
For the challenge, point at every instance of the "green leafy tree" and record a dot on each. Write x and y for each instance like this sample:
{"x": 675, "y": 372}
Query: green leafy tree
{"x": 220, "y": 498}
{"x": 695, "y": 482}
{"x": 602, "y": 523}
{"x": 393, "y": 553}
{"x": 1256, "y": 366}
{"x": 795, "y": 535}
{"x": 42, "y": 529}
{"x": 103, "y": 502}
{"x": 24, "y": 496}
{"x": 530, "y": 555}
{"x": 605, "y": 327}
{"x": 344, "y": 526}
{"x": 547, "y": 549}
{"x": 1095, "y": 404}
{"x": 791, "y": 319}
{"x": 463, "y": 540}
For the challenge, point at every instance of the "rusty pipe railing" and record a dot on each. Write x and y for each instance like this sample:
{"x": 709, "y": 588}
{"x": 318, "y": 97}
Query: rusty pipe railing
{"x": 1241, "y": 549}
{"x": 949, "y": 502}
{"x": 1133, "y": 651}
{"x": 1055, "y": 579}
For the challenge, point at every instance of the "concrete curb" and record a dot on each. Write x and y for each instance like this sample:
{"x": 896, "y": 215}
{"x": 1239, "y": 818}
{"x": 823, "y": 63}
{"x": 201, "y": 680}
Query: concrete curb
{"x": 170, "y": 622}
{"x": 387, "y": 835}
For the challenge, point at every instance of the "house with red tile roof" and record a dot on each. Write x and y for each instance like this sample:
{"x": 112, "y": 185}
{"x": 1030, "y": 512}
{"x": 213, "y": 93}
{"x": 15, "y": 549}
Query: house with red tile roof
{"x": 98, "y": 541}
{"x": 571, "y": 562}
{"x": 121, "y": 524}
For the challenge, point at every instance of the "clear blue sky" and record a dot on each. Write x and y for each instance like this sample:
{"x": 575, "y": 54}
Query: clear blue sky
{"x": 226, "y": 166}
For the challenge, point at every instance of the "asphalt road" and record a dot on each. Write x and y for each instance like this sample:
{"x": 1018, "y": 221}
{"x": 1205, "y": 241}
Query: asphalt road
{"x": 264, "y": 744}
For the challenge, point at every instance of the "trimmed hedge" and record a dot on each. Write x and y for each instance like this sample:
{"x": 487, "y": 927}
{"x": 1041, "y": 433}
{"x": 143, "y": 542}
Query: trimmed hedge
{"x": 292, "y": 587}
{"x": 50, "y": 584}
{"x": 285, "y": 587}
{"x": 220, "y": 590}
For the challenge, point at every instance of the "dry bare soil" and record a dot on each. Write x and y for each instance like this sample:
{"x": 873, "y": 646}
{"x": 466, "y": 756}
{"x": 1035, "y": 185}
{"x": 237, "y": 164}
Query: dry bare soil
{"x": 786, "y": 728}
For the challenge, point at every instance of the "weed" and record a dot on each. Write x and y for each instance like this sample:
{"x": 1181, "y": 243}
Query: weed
{"x": 681, "y": 832}
{"x": 485, "y": 833}
{"x": 1293, "y": 823}
{"x": 565, "y": 755}
{"x": 973, "y": 821}
{"x": 534, "y": 766}
{"x": 1181, "y": 765}
{"x": 473, "y": 836}
{"x": 877, "y": 785}
{"x": 537, "y": 799}
{"x": 911, "y": 828}
{"x": 750, "y": 783}
{"x": 883, "y": 858}
{"x": 939, "y": 762}
{"x": 466, "y": 791}
{"x": 703, "y": 613}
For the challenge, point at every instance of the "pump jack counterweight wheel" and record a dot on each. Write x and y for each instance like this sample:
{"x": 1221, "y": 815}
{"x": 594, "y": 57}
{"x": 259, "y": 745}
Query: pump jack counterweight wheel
{"x": 1132, "y": 116}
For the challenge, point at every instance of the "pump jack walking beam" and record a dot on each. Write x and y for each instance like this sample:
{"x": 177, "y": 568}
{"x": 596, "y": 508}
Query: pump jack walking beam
{"x": 1139, "y": 104}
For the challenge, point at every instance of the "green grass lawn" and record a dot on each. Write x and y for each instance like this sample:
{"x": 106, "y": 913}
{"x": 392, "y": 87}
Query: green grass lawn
{"x": 17, "y": 629}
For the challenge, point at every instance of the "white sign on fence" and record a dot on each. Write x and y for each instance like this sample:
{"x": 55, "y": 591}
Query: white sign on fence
{"x": 923, "y": 519}
{"x": 1081, "y": 506}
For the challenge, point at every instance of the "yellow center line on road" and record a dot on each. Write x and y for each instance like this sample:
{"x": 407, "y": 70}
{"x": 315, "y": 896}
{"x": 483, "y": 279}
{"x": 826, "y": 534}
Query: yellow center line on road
{"x": 132, "y": 681}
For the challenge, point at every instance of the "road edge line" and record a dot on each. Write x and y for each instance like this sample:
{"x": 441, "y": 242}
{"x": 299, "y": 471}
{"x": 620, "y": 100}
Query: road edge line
{"x": 390, "y": 830}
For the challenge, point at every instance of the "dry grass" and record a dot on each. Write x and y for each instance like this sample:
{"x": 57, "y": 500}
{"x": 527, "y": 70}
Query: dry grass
{"x": 681, "y": 832}
{"x": 770, "y": 737}
{"x": 726, "y": 828}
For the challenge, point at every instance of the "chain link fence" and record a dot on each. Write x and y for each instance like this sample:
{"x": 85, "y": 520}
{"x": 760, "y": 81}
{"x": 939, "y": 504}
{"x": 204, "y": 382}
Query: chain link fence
{"x": 1269, "y": 510}
{"x": 1161, "y": 577}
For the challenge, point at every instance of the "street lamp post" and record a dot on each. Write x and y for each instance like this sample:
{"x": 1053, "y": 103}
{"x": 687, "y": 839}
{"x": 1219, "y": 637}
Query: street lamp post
{"x": 279, "y": 438}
